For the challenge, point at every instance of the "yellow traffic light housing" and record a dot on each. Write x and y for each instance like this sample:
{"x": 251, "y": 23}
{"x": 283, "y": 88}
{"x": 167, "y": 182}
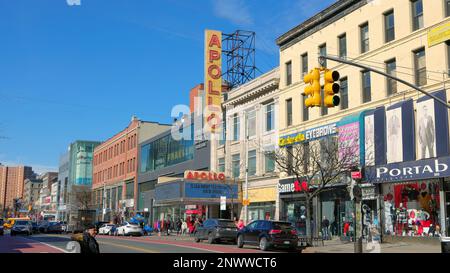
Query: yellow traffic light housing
{"x": 331, "y": 88}
{"x": 313, "y": 90}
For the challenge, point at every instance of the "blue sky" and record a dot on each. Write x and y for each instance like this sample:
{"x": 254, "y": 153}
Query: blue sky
{"x": 81, "y": 72}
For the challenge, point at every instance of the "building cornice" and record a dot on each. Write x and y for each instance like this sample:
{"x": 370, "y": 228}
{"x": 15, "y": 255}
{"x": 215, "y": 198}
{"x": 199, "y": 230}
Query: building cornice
{"x": 319, "y": 21}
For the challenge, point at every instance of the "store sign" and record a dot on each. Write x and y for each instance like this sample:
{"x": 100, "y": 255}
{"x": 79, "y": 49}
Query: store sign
{"x": 202, "y": 175}
{"x": 439, "y": 34}
{"x": 213, "y": 80}
{"x": 368, "y": 193}
{"x": 292, "y": 186}
{"x": 356, "y": 175}
{"x": 308, "y": 135}
{"x": 404, "y": 171}
{"x": 206, "y": 190}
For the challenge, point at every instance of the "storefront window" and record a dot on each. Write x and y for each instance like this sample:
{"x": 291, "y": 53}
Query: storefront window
{"x": 295, "y": 212}
{"x": 412, "y": 209}
{"x": 261, "y": 211}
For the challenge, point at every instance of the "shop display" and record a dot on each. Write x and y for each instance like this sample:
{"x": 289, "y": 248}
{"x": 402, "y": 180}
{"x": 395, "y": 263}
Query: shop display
{"x": 411, "y": 209}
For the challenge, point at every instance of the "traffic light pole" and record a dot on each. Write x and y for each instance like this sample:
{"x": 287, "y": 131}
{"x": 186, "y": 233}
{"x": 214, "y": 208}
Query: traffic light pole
{"x": 368, "y": 68}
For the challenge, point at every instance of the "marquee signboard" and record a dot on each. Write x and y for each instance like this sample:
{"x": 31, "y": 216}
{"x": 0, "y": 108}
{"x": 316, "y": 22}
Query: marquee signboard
{"x": 213, "y": 80}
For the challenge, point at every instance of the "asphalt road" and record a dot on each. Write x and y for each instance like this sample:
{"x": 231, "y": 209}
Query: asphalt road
{"x": 51, "y": 243}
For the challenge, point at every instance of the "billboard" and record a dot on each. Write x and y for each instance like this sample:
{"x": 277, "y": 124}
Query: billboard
{"x": 432, "y": 127}
{"x": 394, "y": 135}
{"x": 213, "y": 80}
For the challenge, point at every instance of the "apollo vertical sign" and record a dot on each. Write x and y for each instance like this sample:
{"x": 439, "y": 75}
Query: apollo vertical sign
{"x": 213, "y": 80}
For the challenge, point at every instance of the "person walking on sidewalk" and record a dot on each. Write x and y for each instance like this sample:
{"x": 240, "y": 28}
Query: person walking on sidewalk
{"x": 184, "y": 227}
{"x": 325, "y": 228}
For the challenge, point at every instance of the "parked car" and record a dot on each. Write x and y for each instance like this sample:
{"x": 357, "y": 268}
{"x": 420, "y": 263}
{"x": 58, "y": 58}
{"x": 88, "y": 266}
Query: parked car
{"x": 42, "y": 226}
{"x": 1, "y": 227}
{"x": 127, "y": 228}
{"x": 54, "y": 227}
{"x": 22, "y": 227}
{"x": 35, "y": 227}
{"x": 216, "y": 230}
{"x": 64, "y": 226}
{"x": 99, "y": 224}
{"x": 267, "y": 234}
{"x": 108, "y": 229}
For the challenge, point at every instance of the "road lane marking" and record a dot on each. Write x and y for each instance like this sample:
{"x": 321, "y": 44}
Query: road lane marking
{"x": 60, "y": 249}
{"x": 170, "y": 244}
{"x": 130, "y": 247}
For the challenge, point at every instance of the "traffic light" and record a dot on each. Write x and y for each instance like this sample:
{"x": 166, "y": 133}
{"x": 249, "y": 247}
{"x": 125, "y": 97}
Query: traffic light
{"x": 313, "y": 90}
{"x": 331, "y": 88}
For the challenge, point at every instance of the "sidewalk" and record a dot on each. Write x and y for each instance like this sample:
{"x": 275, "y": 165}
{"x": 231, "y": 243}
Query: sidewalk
{"x": 336, "y": 246}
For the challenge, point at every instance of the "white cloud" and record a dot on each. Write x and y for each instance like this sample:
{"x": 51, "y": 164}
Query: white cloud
{"x": 233, "y": 10}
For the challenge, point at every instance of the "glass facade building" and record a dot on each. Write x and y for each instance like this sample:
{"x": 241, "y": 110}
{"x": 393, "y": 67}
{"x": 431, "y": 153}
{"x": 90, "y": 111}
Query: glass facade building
{"x": 165, "y": 152}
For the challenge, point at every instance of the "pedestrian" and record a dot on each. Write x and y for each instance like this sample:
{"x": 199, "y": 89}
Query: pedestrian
{"x": 87, "y": 241}
{"x": 325, "y": 226}
{"x": 197, "y": 224}
{"x": 184, "y": 227}
{"x": 240, "y": 224}
{"x": 168, "y": 226}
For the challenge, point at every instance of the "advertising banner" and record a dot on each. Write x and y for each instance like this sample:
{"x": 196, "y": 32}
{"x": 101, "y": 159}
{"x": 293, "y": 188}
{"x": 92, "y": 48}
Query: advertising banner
{"x": 432, "y": 127}
{"x": 400, "y": 133}
{"x": 213, "y": 80}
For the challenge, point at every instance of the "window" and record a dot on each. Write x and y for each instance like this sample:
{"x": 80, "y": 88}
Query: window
{"x": 223, "y": 133}
{"x": 290, "y": 159}
{"x": 289, "y": 112}
{"x": 417, "y": 14}
{"x": 389, "y": 32}
{"x": 344, "y": 93}
{"x": 221, "y": 167}
{"x": 305, "y": 111}
{"x": 269, "y": 162}
{"x": 289, "y": 73}
{"x": 323, "y": 52}
{"x": 447, "y": 8}
{"x": 251, "y": 123}
{"x": 236, "y": 166}
{"x": 342, "y": 46}
{"x": 270, "y": 117}
{"x": 304, "y": 64}
{"x": 323, "y": 107}
{"x": 391, "y": 67}
{"x": 236, "y": 127}
{"x": 366, "y": 96}
{"x": 252, "y": 162}
{"x": 364, "y": 29}
{"x": 420, "y": 67}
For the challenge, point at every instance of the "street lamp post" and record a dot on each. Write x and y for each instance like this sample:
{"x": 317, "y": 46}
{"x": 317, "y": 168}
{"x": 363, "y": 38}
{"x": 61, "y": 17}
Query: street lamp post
{"x": 246, "y": 167}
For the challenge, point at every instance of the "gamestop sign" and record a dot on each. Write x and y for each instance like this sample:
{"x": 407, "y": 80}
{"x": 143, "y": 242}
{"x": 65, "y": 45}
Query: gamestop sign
{"x": 291, "y": 186}
{"x": 413, "y": 170}
{"x": 213, "y": 80}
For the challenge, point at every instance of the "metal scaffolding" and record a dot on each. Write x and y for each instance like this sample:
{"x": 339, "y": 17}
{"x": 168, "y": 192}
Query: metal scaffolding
{"x": 238, "y": 49}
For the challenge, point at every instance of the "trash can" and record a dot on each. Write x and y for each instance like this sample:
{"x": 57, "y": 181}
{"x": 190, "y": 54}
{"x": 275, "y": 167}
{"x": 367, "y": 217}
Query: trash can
{"x": 445, "y": 244}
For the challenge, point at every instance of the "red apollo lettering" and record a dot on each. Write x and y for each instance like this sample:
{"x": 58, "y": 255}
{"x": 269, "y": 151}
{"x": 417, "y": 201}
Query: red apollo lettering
{"x": 190, "y": 176}
{"x": 214, "y": 55}
{"x": 214, "y": 41}
{"x": 204, "y": 176}
{"x": 221, "y": 176}
{"x": 214, "y": 68}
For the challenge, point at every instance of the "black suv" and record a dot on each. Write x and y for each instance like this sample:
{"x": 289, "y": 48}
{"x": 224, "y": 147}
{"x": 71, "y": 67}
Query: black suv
{"x": 215, "y": 230}
{"x": 267, "y": 234}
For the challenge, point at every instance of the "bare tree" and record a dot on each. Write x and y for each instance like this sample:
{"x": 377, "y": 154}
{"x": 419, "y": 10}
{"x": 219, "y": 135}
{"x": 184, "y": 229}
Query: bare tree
{"x": 320, "y": 164}
{"x": 82, "y": 196}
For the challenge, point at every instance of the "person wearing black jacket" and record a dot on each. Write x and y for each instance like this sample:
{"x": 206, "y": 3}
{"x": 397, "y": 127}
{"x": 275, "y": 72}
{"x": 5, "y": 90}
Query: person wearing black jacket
{"x": 89, "y": 244}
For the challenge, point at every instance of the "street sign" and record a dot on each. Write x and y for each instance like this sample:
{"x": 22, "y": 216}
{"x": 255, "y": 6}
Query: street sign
{"x": 356, "y": 175}
{"x": 223, "y": 203}
{"x": 246, "y": 202}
